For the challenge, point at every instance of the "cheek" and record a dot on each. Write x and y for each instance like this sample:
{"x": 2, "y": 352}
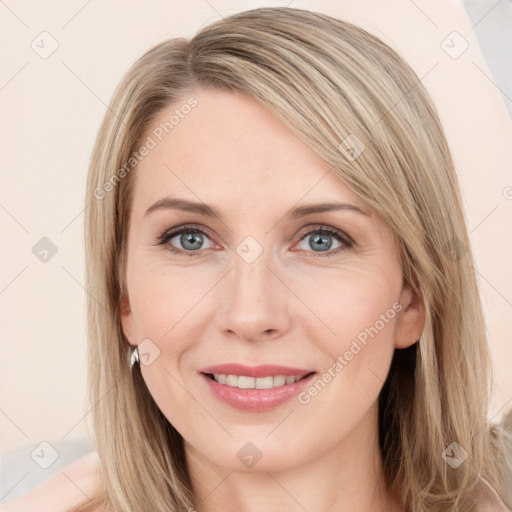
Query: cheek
{"x": 163, "y": 300}
{"x": 346, "y": 303}
{"x": 358, "y": 310}
{"x": 362, "y": 316}
{"x": 166, "y": 302}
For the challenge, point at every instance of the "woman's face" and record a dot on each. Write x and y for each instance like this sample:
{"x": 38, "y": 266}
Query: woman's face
{"x": 262, "y": 286}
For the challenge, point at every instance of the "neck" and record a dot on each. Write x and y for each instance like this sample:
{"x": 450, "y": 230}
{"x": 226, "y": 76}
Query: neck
{"x": 347, "y": 478}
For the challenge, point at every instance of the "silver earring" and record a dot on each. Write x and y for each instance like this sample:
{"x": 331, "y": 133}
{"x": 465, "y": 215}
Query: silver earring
{"x": 134, "y": 357}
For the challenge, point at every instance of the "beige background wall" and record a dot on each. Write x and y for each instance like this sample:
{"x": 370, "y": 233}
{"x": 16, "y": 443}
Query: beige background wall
{"x": 51, "y": 109}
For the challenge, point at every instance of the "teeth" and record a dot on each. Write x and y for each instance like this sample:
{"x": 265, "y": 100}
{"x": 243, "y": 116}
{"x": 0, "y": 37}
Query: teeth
{"x": 279, "y": 380}
{"x": 231, "y": 380}
{"x": 264, "y": 383}
{"x": 245, "y": 382}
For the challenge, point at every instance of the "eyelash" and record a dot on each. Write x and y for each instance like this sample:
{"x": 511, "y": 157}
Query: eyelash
{"x": 338, "y": 235}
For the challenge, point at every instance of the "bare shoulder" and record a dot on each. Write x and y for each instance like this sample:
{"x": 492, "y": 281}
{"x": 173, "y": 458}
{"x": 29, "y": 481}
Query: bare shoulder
{"x": 490, "y": 501}
{"x": 492, "y": 505}
{"x": 64, "y": 491}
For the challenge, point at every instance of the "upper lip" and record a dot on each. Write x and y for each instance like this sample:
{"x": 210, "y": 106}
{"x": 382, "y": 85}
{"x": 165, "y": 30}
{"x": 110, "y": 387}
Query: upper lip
{"x": 264, "y": 370}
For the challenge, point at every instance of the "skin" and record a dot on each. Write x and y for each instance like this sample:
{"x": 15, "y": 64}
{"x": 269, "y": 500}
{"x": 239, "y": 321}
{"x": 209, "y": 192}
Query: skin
{"x": 287, "y": 307}
{"x": 64, "y": 490}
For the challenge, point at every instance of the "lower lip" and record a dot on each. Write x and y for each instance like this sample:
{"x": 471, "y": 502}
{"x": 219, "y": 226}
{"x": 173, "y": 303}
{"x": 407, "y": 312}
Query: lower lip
{"x": 254, "y": 400}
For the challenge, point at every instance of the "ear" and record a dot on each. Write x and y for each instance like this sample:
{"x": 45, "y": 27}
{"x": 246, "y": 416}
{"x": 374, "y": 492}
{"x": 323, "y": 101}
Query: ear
{"x": 411, "y": 319}
{"x": 127, "y": 320}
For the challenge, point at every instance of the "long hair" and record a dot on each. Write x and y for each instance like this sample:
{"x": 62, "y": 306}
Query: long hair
{"x": 340, "y": 90}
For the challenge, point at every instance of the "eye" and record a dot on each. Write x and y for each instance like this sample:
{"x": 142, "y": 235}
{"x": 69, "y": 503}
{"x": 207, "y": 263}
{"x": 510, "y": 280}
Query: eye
{"x": 320, "y": 239}
{"x": 191, "y": 239}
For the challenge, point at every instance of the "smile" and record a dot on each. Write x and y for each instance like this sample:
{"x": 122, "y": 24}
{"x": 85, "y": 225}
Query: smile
{"x": 246, "y": 382}
{"x": 255, "y": 394}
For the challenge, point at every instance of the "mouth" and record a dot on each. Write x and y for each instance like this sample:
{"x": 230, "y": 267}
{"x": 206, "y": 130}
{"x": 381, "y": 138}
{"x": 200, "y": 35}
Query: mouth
{"x": 248, "y": 382}
{"x": 255, "y": 394}
{"x": 255, "y": 388}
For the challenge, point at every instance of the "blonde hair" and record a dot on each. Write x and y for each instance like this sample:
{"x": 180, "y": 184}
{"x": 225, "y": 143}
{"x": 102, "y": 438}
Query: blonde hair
{"x": 332, "y": 83}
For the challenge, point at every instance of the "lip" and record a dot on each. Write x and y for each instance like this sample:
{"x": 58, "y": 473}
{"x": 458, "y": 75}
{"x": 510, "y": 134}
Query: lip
{"x": 255, "y": 400}
{"x": 264, "y": 370}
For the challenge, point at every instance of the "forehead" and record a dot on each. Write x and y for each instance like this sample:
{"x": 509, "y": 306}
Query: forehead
{"x": 229, "y": 148}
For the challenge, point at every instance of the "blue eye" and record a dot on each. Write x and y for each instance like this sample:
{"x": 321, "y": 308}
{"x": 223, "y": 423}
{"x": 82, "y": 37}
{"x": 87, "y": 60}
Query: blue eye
{"x": 321, "y": 239}
{"x": 192, "y": 238}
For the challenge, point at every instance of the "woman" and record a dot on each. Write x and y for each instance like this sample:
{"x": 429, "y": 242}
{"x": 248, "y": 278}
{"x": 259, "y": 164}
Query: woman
{"x": 238, "y": 359}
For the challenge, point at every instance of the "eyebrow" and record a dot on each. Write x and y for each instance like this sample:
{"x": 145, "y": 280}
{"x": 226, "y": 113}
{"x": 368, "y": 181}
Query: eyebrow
{"x": 208, "y": 211}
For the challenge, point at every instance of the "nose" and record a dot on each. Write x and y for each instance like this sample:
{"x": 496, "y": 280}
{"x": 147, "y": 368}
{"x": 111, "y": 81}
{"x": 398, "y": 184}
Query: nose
{"x": 253, "y": 300}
